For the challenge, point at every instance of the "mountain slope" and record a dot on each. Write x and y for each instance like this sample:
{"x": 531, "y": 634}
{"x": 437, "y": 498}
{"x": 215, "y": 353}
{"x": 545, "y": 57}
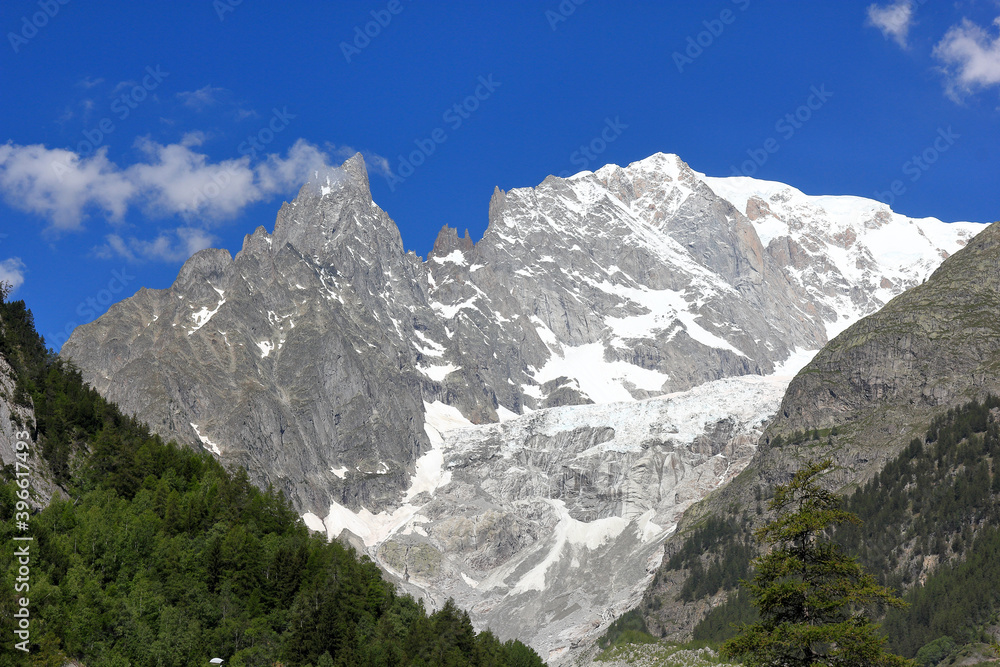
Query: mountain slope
{"x": 930, "y": 528}
{"x": 937, "y": 344}
{"x": 560, "y": 514}
{"x": 627, "y": 304}
{"x": 851, "y": 255}
{"x": 864, "y": 397}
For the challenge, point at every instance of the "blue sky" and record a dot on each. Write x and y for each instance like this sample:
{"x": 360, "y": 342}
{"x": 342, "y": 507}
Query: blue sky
{"x": 135, "y": 133}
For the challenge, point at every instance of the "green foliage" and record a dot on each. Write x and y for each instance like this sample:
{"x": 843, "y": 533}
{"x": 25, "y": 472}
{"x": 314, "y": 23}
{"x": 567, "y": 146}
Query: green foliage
{"x": 723, "y": 621}
{"x": 933, "y": 513}
{"x": 724, "y": 544}
{"x": 630, "y": 628}
{"x": 955, "y": 600}
{"x": 935, "y": 652}
{"x": 937, "y": 502}
{"x": 815, "y": 602}
{"x": 160, "y": 556}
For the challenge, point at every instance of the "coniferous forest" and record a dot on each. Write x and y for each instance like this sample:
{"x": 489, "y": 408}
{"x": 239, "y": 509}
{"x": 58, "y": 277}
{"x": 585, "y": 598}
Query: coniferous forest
{"x": 930, "y": 530}
{"x": 154, "y": 554}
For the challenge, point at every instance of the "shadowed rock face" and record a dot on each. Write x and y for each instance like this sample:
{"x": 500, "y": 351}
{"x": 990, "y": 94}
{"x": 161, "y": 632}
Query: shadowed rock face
{"x": 311, "y": 358}
{"x": 15, "y": 419}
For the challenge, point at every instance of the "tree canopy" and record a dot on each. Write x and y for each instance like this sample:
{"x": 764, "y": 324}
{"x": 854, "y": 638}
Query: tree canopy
{"x": 815, "y": 602}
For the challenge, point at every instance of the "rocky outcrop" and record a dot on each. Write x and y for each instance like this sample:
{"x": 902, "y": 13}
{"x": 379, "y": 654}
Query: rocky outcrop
{"x": 288, "y": 359}
{"x": 936, "y": 344}
{"x": 16, "y": 418}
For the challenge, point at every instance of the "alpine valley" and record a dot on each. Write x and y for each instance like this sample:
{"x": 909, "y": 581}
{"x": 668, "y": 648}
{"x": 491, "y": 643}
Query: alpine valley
{"x": 564, "y": 420}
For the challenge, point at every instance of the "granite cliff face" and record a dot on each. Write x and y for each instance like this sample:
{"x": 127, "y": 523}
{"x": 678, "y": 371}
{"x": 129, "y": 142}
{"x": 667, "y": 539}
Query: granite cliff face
{"x": 287, "y": 359}
{"x": 409, "y": 402}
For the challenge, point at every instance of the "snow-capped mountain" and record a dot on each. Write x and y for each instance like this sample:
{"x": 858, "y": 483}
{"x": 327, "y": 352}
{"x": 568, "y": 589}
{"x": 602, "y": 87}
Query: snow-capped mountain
{"x": 851, "y": 255}
{"x": 563, "y": 387}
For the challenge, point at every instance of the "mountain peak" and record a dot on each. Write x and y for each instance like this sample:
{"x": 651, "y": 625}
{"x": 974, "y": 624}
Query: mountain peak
{"x": 448, "y": 241}
{"x": 356, "y": 171}
{"x": 203, "y": 265}
{"x": 334, "y": 206}
{"x": 351, "y": 176}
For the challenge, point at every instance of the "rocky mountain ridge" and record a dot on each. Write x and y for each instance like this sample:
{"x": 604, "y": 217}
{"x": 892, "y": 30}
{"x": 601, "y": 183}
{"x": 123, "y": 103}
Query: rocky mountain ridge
{"x": 314, "y": 348}
{"x": 369, "y": 385}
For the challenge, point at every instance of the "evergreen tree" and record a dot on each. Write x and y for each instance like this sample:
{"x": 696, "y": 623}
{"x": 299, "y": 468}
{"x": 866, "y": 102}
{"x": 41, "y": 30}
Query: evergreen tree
{"x": 814, "y": 600}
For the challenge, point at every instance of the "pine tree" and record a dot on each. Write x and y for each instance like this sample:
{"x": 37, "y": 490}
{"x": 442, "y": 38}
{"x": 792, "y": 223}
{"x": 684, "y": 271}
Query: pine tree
{"x": 814, "y": 600}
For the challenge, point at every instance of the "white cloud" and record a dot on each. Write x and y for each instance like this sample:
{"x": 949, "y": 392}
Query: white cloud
{"x": 12, "y": 271}
{"x": 173, "y": 179}
{"x": 893, "y": 20}
{"x": 305, "y": 162}
{"x": 58, "y": 185}
{"x": 173, "y": 246}
{"x": 201, "y": 99}
{"x": 971, "y": 58}
{"x": 177, "y": 180}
